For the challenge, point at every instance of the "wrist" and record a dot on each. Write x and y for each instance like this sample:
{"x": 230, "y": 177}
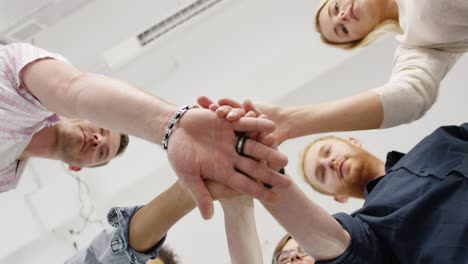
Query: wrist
{"x": 286, "y": 115}
{"x": 172, "y": 123}
{"x": 236, "y": 202}
{"x": 164, "y": 119}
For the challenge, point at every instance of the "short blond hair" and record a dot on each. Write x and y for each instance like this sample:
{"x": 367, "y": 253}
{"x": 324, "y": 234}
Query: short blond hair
{"x": 386, "y": 26}
{"x": 301, "y": 165}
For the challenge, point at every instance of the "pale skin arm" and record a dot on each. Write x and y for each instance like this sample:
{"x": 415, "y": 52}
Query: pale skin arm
{"x": 241, "y": 231}
{"x": 311, "y": 226}
{"x": 359, "y": 112}
{"x": 201, "y": 146}
{"x": 112, "y": 103}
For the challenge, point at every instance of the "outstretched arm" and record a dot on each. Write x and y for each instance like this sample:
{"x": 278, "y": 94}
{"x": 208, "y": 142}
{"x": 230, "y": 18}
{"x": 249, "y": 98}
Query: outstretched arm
{"x": 139, "y": 232}
{"x": 152, "y": 222}
{"x": 359, "y": 112}
{"x": 241, "y": 231}
{"x": 201, "y": 147}
{"x": 312, "y": 227}
{"x": 109, "y": 102}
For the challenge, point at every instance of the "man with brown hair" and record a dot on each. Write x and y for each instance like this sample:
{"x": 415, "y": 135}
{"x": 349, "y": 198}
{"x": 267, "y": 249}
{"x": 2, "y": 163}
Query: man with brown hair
{"x": 38, "y": 86}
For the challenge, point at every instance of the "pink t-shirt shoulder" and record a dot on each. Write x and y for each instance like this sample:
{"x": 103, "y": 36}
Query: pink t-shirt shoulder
{"x": 21, "y": 115}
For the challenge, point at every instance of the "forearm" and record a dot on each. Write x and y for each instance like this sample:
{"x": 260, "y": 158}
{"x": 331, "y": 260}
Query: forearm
{"x": 310, "y": 225}
{"x": 359, "y": 112}
{"x": 108, "y": 102}
{"x": 241, "y": 231}
{"x": 149, "y": 225}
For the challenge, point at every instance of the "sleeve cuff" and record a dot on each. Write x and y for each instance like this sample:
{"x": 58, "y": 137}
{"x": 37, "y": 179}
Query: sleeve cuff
{"x": 120, "y": 219}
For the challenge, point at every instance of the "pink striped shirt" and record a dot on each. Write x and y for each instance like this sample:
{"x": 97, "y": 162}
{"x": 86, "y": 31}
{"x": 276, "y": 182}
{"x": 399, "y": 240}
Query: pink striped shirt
{"x": 21, "y": 115}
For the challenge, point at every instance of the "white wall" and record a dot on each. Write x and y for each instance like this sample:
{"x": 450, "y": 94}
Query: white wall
{"x": 263, "y": 49}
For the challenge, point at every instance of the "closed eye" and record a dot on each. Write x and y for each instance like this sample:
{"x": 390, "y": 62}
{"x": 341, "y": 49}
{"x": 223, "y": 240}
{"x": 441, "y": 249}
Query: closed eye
{"x": 344, "y": 29}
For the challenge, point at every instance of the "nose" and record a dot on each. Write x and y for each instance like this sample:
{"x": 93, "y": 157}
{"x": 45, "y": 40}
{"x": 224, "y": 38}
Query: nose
{"x": 97, "y": 140}
{"x": 294, "y": 257}
{"x": 329, "y": 162}
{"x": 343, "y": 16}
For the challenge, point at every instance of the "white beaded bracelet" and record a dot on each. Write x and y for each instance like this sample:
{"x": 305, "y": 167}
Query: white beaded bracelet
{"x": 173, "y": 122}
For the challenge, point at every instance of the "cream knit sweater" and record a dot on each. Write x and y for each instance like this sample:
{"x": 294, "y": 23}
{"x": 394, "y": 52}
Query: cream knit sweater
{"x": 435, "y": 36}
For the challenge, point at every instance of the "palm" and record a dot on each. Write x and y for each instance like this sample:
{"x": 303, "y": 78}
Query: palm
{"x": 202, "y": 147}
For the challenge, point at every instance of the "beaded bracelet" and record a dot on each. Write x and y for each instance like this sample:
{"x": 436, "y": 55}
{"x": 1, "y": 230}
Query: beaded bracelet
{"x": 175, "y": 118}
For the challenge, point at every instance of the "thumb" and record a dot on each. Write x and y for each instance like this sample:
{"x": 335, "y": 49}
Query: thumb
{"x": 204, "y": 102}
{"x": 202, "y": 197}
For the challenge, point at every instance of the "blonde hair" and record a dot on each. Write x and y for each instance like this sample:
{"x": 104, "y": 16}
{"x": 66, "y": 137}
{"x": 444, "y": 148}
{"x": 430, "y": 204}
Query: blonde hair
{"x": 302, "y": 157}
{"x": 386, "y": 26}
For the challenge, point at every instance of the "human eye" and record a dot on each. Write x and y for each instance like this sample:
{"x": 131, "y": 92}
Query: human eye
{"x": 336, "y": 7}
{"x": 101, "y": 153}
{"x": 345, "y": 30}
{"x": 284, "y": 260}
{"x": 327, "y": 152}
{"x": 283, "y": 257}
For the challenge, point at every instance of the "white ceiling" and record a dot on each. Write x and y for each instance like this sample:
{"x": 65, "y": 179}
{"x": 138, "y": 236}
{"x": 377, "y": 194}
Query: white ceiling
{"x": 260, "y": 49}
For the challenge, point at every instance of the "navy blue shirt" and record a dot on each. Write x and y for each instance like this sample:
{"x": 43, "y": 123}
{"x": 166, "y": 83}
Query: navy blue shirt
{"x": 417, "y": 212}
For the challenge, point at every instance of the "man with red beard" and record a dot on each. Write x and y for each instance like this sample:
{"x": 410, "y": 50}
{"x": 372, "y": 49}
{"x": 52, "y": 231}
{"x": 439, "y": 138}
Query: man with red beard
{"x": 414, "y": 209}
{"x": 339, "y": 168}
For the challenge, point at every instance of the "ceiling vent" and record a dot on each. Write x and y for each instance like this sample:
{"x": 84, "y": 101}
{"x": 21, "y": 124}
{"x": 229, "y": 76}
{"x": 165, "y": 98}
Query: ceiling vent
{"x": 129, "y": 49}
{"x": 40, "y": 16}
{"x": 25, "y": 31}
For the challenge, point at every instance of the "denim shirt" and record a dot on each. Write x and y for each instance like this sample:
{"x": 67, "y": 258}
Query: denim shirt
{"x": 111, "y": 245}
{"x": 417, "y": 212}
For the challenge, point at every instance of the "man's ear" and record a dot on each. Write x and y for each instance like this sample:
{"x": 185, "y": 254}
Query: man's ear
{"x": 340, "y": 199}
{"x": 74, "y": 168}
{"x": 355, "y": 141}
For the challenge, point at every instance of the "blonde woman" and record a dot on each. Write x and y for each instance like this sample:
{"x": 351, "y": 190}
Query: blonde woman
{"x": 433, "y": 36}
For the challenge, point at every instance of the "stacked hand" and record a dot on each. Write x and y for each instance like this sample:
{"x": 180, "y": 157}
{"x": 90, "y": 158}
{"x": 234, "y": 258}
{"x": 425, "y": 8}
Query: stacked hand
{"x": 233, "y": 110}
{"x": 203, "y": 148}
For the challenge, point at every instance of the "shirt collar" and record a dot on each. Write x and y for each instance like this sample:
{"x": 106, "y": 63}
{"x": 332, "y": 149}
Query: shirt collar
{"x": 392, "y": 158}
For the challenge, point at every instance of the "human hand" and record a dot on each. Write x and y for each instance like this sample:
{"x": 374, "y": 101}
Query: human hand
{"x": 202, "y": 147}
{"x": 233, "y": 110}
{"x": 221, "y": 192}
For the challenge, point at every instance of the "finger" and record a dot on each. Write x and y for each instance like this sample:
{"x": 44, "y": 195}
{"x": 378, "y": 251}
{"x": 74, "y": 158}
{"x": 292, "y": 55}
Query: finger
{"x": 235, "y": 114}
{"x": 213, "y": 107}
{"x": 275, "y": 159}
{"x": 230, "y": 102}
{"x": 223, "y": 110}
{"x": 250, "y": 114}
{"x": 267, "y": 140}
{"x": 258, "y": 171}
{"x": 249, "y": 106}
{"x": 240, "y": 182}
{"x": 202, "y": 197}
{"x": 254, "y": 134}
{"x": 246, "y": 124}
{"x": 204, "y": 102}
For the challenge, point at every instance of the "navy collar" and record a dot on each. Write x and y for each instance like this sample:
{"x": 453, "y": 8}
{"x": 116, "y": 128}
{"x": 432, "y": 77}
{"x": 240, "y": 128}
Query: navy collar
{"x": 392, "y": 158}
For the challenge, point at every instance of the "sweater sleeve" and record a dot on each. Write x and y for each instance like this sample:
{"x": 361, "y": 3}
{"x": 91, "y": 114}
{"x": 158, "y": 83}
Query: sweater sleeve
{"x": 414, "y": 83}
